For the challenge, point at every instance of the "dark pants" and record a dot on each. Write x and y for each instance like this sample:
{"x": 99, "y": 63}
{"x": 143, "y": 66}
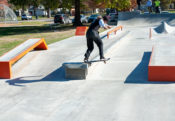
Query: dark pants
{"x": 150, "y": 9}
{"x": 157, "y": 10}
{"x": 139, "y": 7}
{"x": 93, "y": 36}
{"x": 139, "y": 4}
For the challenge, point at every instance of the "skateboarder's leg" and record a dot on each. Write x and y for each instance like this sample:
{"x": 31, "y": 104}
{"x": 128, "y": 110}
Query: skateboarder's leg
{"x": 99, "y": 43}
{"x": 90, "y": 46}
{"x": 157, "y": 9}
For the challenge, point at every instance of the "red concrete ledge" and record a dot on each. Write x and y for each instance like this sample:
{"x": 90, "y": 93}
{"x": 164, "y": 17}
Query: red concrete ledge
{"x": 81, "y": 30}
{"x": 8, "y": 59}
{"x": 162, "y": 72}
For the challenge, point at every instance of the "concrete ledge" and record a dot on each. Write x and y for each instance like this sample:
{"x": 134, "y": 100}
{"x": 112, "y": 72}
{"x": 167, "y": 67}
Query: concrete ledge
{"x": 75, "y": 70}
{"x": 162, "y": 62}
{"x": 8, "y": 59}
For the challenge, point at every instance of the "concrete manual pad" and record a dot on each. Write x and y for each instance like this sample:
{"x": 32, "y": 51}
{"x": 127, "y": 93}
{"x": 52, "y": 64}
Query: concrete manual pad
{"x": 162, "y": 62}
{"x": 75, "y": 70}
{"x": 163, "y": 54}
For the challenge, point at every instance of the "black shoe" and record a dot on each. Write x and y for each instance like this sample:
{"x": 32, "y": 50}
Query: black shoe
{"x": 85, "y": 59}
{"x": 102, "y": 58}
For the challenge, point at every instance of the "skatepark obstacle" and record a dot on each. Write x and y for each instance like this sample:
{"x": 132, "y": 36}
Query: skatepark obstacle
{"x": 81, "y": 30}
{"x": 8, "y": 59}
{"x": 164, "y": 28}
{"x": 114, "y": 30}
{"x": 75, "y": 70}
{"x": 150, "y": 33}
{"x": 162, "y": 66}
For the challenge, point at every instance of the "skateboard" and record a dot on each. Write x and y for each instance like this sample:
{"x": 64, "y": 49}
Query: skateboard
{"x": 94, "y": 61}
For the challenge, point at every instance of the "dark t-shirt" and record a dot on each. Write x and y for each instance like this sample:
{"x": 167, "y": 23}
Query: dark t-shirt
{"x": 95, "y": 25}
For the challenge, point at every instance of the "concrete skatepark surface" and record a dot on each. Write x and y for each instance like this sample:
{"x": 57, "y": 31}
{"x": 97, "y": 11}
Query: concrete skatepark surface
{"x": 116, "y": 91}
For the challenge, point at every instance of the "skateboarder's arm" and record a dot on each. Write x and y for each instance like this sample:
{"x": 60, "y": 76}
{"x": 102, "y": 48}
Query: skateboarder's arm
{"x": 103, "y": 25}
{"x": 108, "y": 27}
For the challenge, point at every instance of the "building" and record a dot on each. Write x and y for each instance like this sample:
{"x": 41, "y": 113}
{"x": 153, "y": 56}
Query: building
{"x": 5, "y": 2}
{"x": 40, "y": 11}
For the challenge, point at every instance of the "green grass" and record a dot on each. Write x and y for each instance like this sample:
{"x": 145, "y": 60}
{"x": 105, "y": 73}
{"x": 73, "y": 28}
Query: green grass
{"x": 172, "y": 11}
{"x": 33, "y": 23}
{"x": 8, "y": 46}
{"x": 7, "y": 31}
{"x": 34, "y": 18}
{"x": 12, "y": 36}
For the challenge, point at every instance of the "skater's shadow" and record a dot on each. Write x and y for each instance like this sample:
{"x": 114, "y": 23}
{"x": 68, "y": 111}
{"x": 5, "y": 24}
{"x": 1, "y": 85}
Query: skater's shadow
{"x": 55, "y": 76}
{"x": 140, "y": 74}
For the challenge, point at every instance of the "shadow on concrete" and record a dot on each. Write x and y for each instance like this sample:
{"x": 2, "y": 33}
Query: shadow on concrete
{"x": 140, "y": 74}
{"x": 55, "y": 76}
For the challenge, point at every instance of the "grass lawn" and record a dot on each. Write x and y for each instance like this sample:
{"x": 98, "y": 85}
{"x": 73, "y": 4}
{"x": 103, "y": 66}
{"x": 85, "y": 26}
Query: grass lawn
{"x": 33, "y": 23}
{"x": 14, "y": 35}
{"x": 10, "y": 37}
{"x": 33, "y": 18}
{"x": 172, "y": 11}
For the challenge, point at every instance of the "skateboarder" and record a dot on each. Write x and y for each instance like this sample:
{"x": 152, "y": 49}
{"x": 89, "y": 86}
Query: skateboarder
{"x": 149, "y": 5}
{"x": 92, "y": 36}
{"x": 157, "y": 6}
{"x": 139, "y": 4}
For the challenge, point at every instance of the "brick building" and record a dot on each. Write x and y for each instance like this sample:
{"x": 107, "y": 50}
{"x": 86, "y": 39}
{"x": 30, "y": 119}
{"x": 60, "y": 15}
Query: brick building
{"x": 4, "y": 2}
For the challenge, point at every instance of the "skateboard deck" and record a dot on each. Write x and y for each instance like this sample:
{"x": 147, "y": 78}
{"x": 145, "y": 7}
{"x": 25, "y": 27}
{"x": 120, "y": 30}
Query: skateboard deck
{"x": 95, "y": 61}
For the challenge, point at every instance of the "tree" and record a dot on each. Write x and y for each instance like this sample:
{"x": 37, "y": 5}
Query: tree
{"x": 77, "y": 13}
{"x": 93, "y": 4}
{"x": 35, "y": 4}
{"x": 50, "y": 5}
{"x": 133, "y": 4}
{"x": 173, "y": 2}
{"x": 165, "y": 4}
{"x": 67, "y": 4}
{"x": 120, "y": 5}
{"x": 78, "y": 4}
{"x": 20, "y": 3}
